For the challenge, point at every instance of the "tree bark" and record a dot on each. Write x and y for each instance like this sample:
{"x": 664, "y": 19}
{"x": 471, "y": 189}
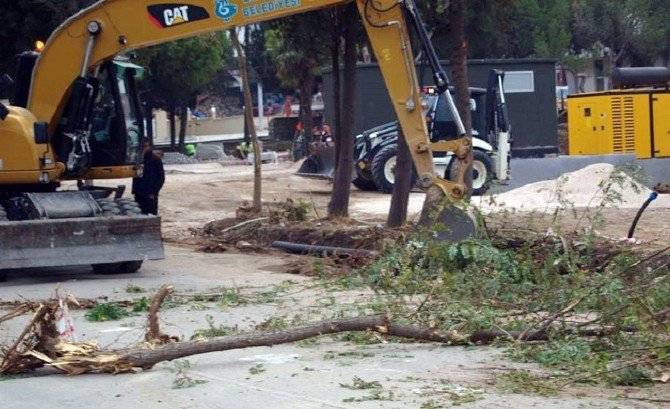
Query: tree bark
{"x": 146, "y": 358}
{"x": 339, "y": 200}
{"x": 183, "y": 123}
{"x": 173, "y": 125}
{"x": 459, "y": 69}
{"x": 306, "y": 87}
{"x": 403, "y": 179}
{"x": 337, "y": 100}
{"x": 149, "y": 117}
{"x": 249, "y": 120}
{"x": 154, "y": 333}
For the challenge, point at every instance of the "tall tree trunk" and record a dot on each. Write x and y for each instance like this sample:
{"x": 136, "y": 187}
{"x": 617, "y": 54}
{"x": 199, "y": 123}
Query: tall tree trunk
{"x": 306, "y": 87}
{"x": 249, "y": 120}
{"x": 459, "y": 69}
{"x": 173, "y": 125}
{"x": 149, "y": 118}
{"x": 401, "y": 187}
{"x": 339, "y": 200}
{"x": 337, "y": 100}
{"x": 183, "y": 125}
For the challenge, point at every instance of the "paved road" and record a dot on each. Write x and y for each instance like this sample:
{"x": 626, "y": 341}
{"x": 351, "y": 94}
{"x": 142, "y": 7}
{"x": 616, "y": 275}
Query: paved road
{"x": 308, "y": 375}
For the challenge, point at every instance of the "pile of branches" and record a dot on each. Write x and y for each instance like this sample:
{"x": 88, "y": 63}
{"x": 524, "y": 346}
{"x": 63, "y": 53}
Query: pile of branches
{"x": 577, "y": 291}
{"x": 599, "y": 308}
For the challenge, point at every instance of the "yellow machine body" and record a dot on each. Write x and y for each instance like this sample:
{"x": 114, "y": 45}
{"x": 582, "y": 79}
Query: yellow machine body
{"x": 620, "y": 121}
{"x": 22, "y": 161}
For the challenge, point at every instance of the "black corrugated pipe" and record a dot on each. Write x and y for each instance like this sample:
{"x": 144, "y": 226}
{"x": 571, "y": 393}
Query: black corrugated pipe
{"x": 651, "y": 198}
{"x": 298, "y": 248}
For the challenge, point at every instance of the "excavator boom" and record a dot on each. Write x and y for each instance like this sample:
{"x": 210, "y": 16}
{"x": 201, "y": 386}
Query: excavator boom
{"x": 113, "y": 27}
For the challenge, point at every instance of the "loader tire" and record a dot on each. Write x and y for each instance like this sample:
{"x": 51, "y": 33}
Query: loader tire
{"x": 364, "y": 183}
{"x": 383, "y": 167}
{"x": 127, "y": 267}
{"x": 482, "y": 172}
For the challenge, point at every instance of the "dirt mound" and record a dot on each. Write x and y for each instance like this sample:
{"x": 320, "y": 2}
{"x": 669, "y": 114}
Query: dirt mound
{"x": 262, "y": 233}
{"x": 598, "y": 185}
{"x": 289, "y": 221}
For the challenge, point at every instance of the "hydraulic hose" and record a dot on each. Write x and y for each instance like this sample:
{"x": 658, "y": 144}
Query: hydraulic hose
{"x": 651, "y": 198}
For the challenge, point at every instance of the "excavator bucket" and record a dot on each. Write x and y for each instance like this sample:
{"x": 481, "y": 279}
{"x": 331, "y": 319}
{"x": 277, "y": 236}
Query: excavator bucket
{"x": 319, "y": 165}
{"x": 79, "y": 241}
{"x": 444, "y": 219}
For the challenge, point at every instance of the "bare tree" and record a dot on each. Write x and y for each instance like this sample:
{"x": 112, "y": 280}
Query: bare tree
{"x": 337, "y": 86}
{"x": 402, "y": 185}
{"x": 459, "y": 69}
{"x": 339, "y": 200}
{"x": 249, "y": 118}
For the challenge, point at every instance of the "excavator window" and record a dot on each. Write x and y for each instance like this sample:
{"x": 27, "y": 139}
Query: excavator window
{"x": 115, "y": 126}
{"x": 107, "y": 122}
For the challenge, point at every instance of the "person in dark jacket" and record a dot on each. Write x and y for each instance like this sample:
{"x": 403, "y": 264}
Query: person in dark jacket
{"x": 147, "y": 187}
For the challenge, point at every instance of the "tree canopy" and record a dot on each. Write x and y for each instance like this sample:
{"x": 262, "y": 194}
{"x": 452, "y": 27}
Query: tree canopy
{"x": 635, "y": 32}
{"x": 183, "y": 68}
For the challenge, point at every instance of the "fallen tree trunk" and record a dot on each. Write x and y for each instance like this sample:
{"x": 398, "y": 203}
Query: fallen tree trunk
{"x": 127, "y": 360}
{"x": 76, "y": 358}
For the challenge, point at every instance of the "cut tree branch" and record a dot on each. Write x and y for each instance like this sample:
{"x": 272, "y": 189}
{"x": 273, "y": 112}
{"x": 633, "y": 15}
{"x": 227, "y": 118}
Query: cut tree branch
{"x": 154, "y": 333}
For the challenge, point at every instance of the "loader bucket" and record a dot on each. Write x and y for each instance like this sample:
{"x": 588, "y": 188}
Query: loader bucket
{"x": 319, "y": 165}
{"x": 443, "y": 220}
{"x": 79, "y": 241}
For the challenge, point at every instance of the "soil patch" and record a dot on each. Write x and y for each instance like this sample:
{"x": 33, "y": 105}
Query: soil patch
{"x": 262, "y": 233}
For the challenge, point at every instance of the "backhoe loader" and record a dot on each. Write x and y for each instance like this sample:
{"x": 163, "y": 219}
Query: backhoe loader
{"x": 75, "y": 116}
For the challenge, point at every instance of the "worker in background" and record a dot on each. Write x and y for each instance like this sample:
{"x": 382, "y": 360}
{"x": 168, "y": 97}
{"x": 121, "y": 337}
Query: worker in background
{"x": 147, "y": 188}
{"x": 190, "y": 150}
{"x": 244, "y": 148}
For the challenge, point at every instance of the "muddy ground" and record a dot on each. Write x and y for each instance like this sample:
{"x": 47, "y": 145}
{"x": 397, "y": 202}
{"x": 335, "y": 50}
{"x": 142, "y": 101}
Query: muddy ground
{"x": 198, "y": 194}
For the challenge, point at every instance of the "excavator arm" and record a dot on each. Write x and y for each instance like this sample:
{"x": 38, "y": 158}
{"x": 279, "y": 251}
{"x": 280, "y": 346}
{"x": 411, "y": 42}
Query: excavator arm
{"x": 112, "y": 27}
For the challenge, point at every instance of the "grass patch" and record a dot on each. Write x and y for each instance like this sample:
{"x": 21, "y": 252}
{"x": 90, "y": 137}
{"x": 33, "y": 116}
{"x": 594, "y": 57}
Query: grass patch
{"x": 258, "y": 369}
{"x": 134, "y": 289}
{"x": 182, "y": 378}
{"x": 142, "y": 305}
{"x": 106, "y": 312}
{"x": 213, "y": 330}
{"x": 358, "y": 383}
{"x": 523, "y": 382}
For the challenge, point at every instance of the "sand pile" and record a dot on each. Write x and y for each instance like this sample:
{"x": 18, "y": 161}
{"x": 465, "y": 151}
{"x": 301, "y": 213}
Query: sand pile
{"x": 592, "y": 186}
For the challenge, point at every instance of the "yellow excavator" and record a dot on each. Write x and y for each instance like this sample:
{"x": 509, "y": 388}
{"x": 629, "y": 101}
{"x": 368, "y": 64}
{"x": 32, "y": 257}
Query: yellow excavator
{"x": 75, "y": 116}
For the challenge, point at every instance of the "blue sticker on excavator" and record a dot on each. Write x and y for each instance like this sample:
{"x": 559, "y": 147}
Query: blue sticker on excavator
{"x": 224, "y": 10}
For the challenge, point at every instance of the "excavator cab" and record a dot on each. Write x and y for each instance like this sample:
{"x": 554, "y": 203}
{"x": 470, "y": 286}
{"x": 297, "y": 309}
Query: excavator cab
{"x": 102, "y": 124}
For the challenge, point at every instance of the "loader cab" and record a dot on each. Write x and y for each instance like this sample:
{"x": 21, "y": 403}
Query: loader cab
{"x": 441, "y": 123}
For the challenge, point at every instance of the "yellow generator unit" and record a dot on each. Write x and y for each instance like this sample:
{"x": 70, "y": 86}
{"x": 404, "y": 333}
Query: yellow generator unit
{"x": 635, "y": 118}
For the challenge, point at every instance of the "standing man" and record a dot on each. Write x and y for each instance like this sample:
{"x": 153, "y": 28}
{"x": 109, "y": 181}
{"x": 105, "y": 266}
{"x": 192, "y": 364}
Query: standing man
{"x": 147, "y": 187}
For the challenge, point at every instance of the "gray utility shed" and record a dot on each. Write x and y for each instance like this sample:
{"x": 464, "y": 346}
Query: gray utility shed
{"x": 531, "y": 97}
